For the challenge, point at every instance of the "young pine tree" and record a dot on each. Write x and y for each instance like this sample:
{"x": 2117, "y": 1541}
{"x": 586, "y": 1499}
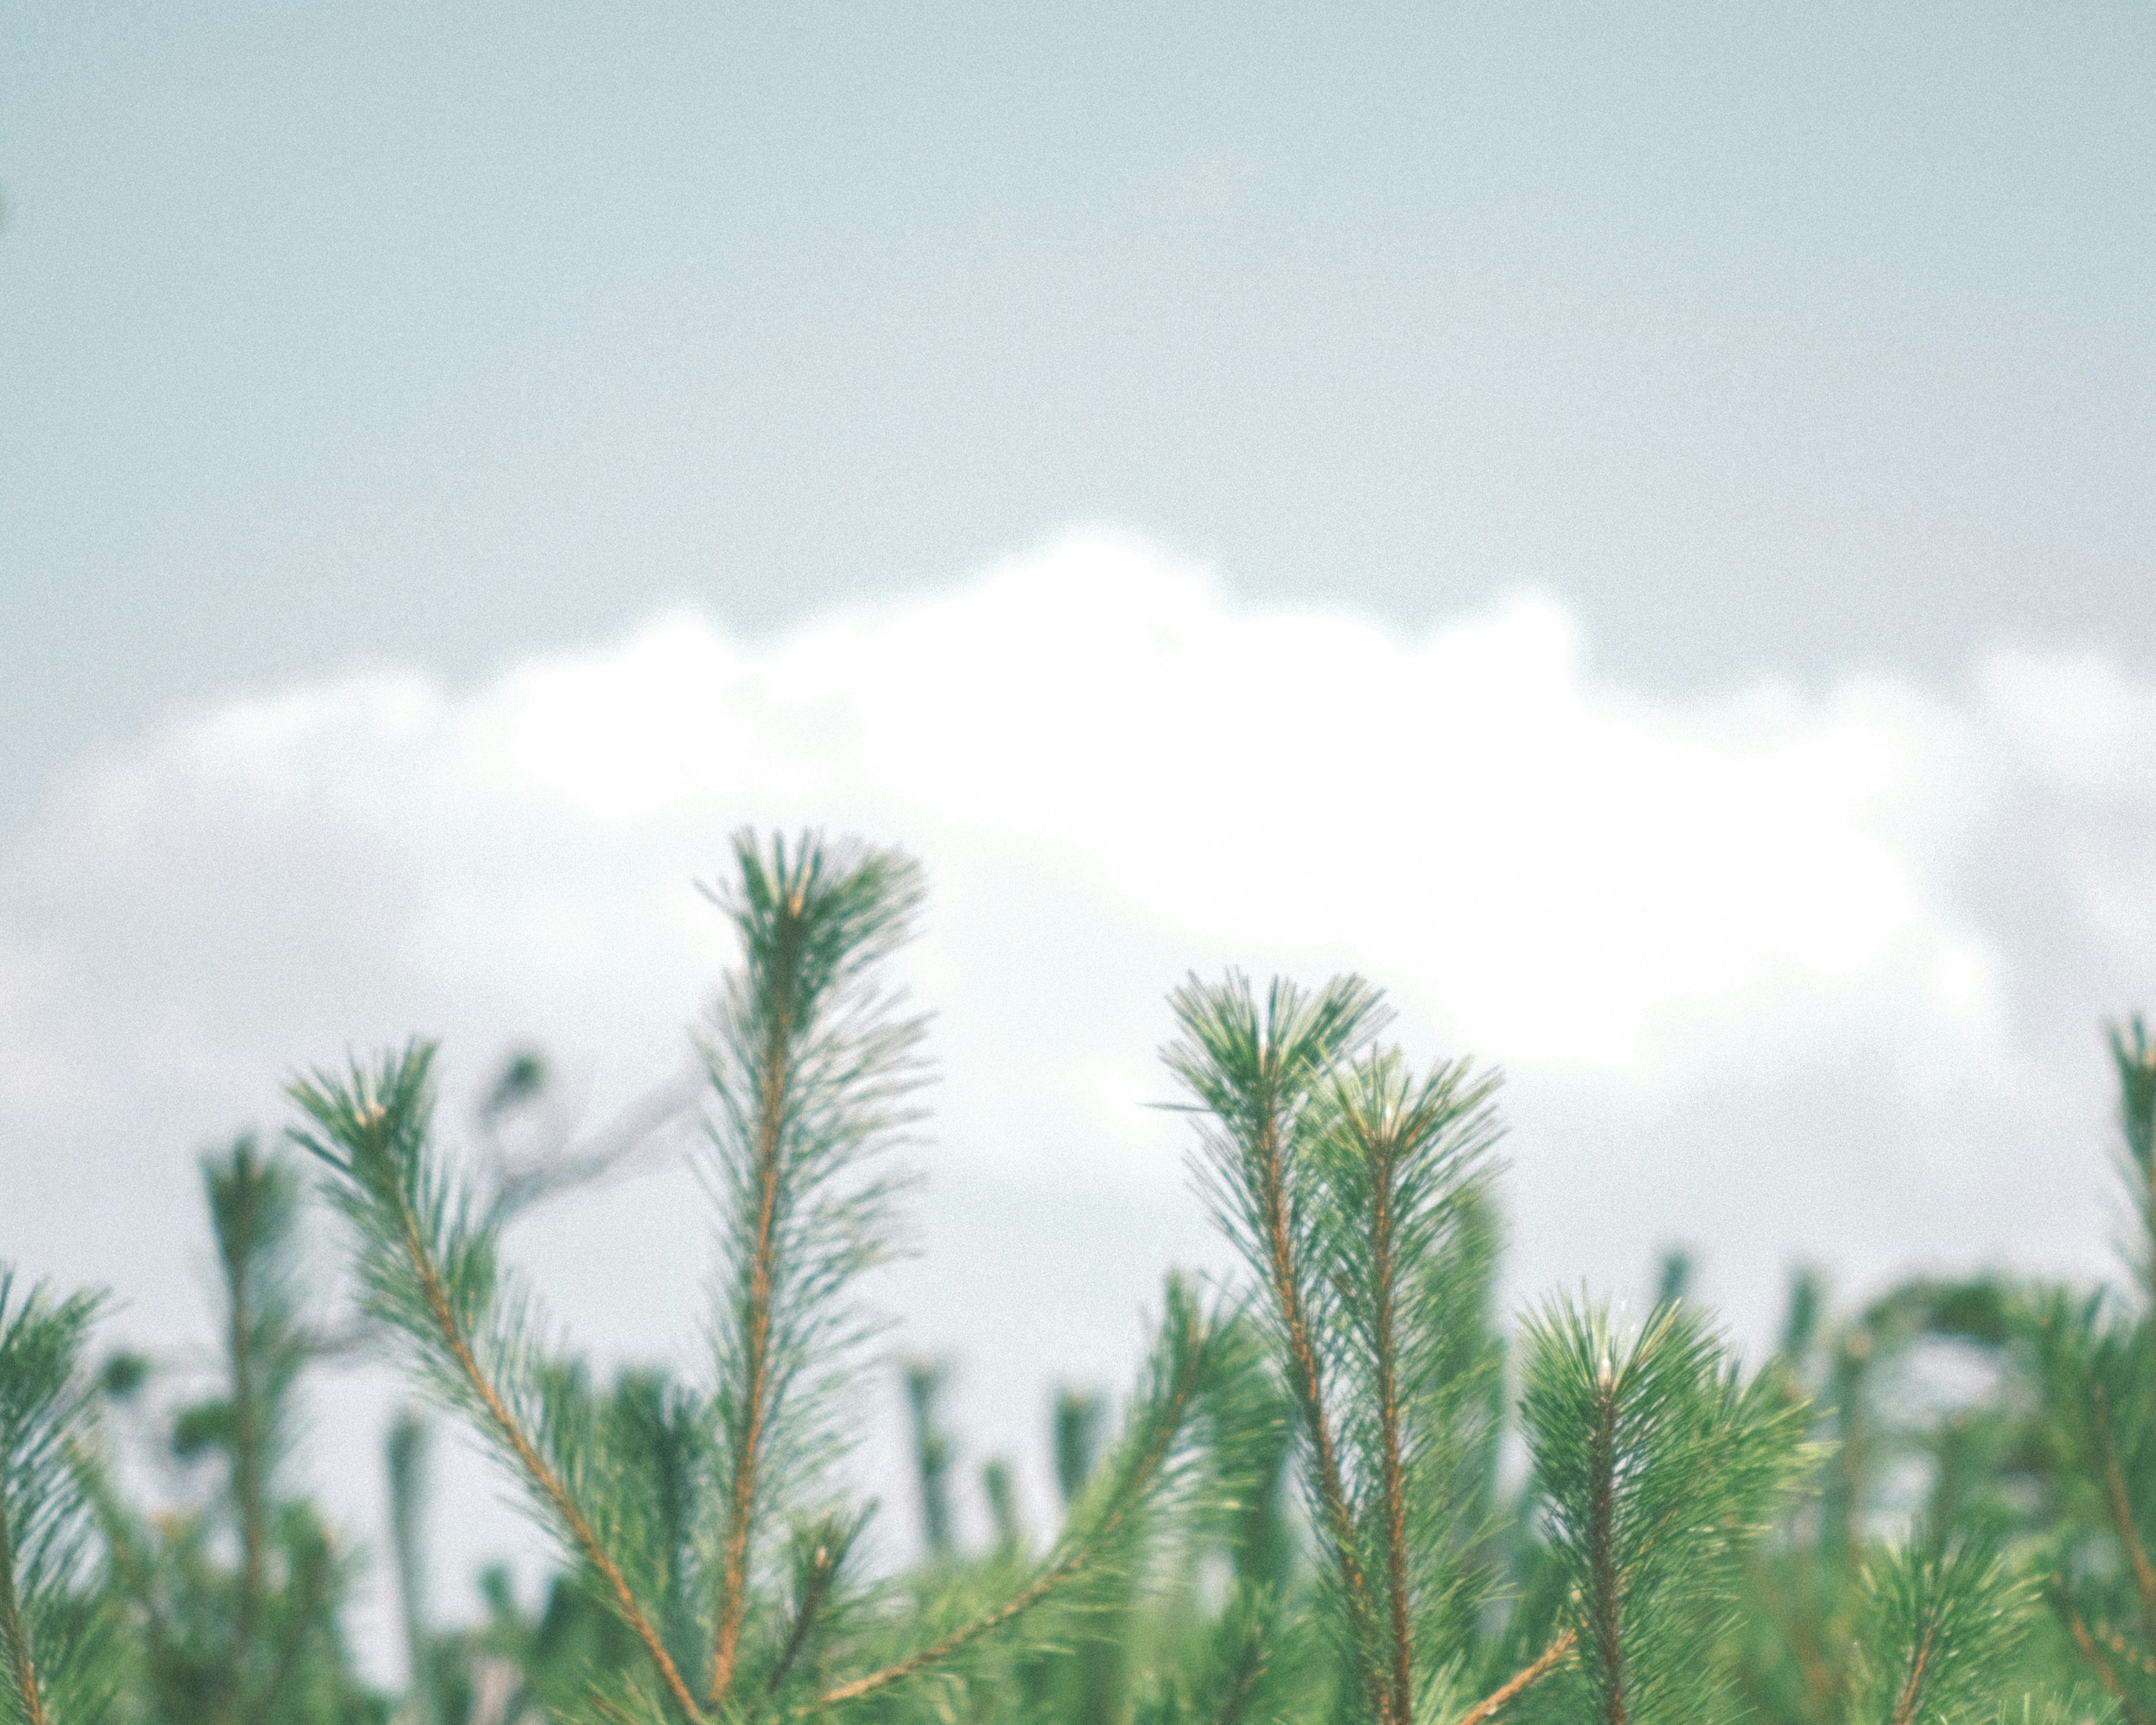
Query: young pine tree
{"x": 1355, "y": 1192}
{"x": 58, "y": 1663}
{"x": 812, "y": 1068}
{"x": 1942, "y": 1621}
{"x": 1655, "y": 1465}
{"x": 234, "y": 1597}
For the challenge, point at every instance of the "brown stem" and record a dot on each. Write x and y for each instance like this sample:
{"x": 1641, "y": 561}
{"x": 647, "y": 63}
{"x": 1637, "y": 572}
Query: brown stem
{"x": 2092, "y": 1655}
{"x": 1912, "y": 1692}
{"x": 1519, "y": 1682}
{"x": 1602, "y": 1513}
{"x": 535, "y": 1466}
{"x": 1072, "y": 1561}
{"x": 15, "y": 1633}
{"x": 741, "y": 1499}
{"x": 1332, "y": 1496}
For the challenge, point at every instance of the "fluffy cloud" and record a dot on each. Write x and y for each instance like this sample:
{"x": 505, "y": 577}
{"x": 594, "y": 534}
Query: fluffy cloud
{"x": 1781, "y": 972}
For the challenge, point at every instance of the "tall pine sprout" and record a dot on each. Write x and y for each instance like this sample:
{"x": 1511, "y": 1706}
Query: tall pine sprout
{"x": 811, "y": 1074}
{"x": 663, "y": 1496}
{"x": 55, "y": 1667}
{"x": 1655, "y": 1464}
{"x": 254, "y": 1206}
{"x": 1356, "y": 1194}
{"x": 406, "y": 1455}
{"x": 426, "y": 1259}
{"x": 1254, "y": 1072}
{"x": 2093, "y": 1365}
{"x": 234, "y": 1598}
{"x": 1400, "y": 1167}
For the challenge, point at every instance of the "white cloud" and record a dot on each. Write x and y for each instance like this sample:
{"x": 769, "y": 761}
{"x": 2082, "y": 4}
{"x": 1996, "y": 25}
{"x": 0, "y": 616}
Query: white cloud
{"x": 1780, "y": 971}
{"x": 1552, "y": 868}
{"x": 1564, "y": 876}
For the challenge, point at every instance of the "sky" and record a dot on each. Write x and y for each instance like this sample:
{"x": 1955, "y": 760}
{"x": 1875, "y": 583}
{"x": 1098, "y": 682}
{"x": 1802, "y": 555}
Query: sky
{"x": 1631, "y": 528}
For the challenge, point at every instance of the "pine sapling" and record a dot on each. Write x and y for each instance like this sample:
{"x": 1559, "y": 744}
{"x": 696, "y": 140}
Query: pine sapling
{"x": 1401, "y": 1162}
{"x": 726, "y": 1495}
{"x": 57, "y": 1663}
{"x": 1654, "y": 1464}
{"x": 1942, "y": 1621}
{"x": 1252, "y": 1072}
{"x": 254, "y": 1206}
{"x": 406, "y": 1454}
{"x": 813, "y": 1069}
{"x": 2134, "y": 1058}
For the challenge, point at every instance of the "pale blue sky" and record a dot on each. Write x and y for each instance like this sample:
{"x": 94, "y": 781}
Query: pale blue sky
{"x": 1766, "y": 337}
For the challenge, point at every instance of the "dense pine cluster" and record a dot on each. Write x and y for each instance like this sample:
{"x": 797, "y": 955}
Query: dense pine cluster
{"x": 1343, "y": 1488}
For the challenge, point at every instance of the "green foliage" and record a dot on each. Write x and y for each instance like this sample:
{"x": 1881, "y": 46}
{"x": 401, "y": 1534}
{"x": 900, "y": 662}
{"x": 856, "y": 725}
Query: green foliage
{"x": 2135, "y": 1057}
{"x": 1942, "y": 1622}
{"x": 233, "y": 1596}
{"x": 662, "y": 1498}
{"x": 1357, "y": 1194}
{"x": 406, "y": 1454}
{"x": 1408, "y": 1246}
{"x": 812, "y": 1075}
{"x": 1302, "y": 1514}
{"x": 1657, "y": 1463}
{"x": 55, "y": 1662}
{"x": 925, "y": 1383}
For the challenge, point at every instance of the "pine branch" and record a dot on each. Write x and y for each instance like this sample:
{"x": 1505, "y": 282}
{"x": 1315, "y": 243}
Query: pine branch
{"x": 308, "y": 1591}
{"x": 1399, "y": 1200}
{"x": 1604, "y": 1596}
{"x": 812, "y": 1069}
{"x": 654, "y": 1444}
{"x": 254, "y": 1206}
{"x": 823, "y": 1553}
{"x": 2092, "y": 1367}
{"x": 1144, "y": 1465}
{"x": 1384, "y": 1289}
{"x": 1655, "y": 1464}
{"x": 755, "y": 1340}
{"x": 548, "y": 1481}
{"x": 1255, "y": 1076}
{"x": 2107, "y": 1674}
{"x": 428, "y": 1271}
{"x": 1242, "y": 1685}
{"x": 246, "y": 1455}
{"x": 1942, "y": 1623}
{"x": 51, "y": 1658}
{"x": 2122, "y": 1509}
{"x": 15, "y": 1629}
{"x": 129, "y": 1571}
{"x": 1514, "y": 1687}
